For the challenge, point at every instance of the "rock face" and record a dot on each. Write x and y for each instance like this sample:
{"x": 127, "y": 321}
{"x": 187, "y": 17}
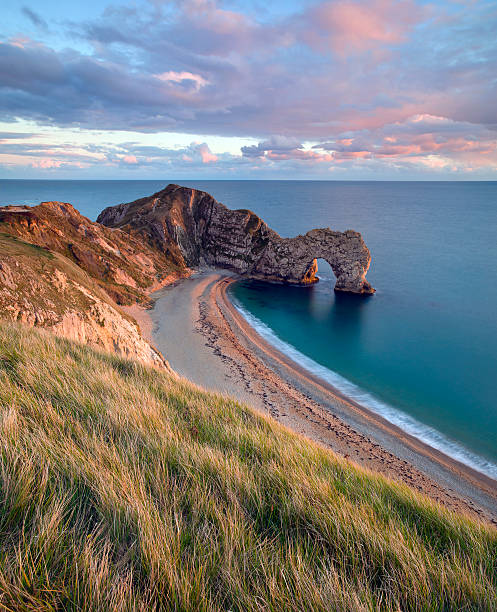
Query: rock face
{"x": 192, "y": 224}
{"x": 125, "y": 267}
{"x": 42, "y": 288}
{"x": 61, "y": 271}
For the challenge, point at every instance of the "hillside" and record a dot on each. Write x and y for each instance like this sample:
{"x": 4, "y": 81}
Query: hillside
{"x": 43, "y": 288}
{"x": 67, "y": 274}
{"x": 121, "y": 264}
{"x": 125, "y": 488}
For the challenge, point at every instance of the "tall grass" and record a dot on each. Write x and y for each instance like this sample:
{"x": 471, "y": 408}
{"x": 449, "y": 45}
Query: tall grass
{"x": 124, "y": 488}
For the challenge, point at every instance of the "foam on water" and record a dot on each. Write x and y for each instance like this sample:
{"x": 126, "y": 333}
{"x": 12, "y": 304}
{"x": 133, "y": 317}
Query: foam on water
{"x": 407, "y": 423}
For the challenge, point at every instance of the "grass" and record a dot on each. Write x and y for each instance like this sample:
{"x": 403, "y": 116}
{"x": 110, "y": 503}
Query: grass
{"x": 35, "y": 289}
{"x": 12, "y": 245}
{"x": 124, "y": 488}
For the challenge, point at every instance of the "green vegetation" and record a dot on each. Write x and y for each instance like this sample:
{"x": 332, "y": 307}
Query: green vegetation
{"x": 124, "y": 488}
{"x": 12, "y": 245}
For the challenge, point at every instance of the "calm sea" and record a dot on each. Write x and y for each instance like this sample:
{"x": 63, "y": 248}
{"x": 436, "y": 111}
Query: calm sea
{"x": 423, "y": 350}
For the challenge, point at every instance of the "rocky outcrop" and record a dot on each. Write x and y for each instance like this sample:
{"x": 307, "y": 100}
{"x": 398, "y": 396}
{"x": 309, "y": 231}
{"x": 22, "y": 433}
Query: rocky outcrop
{"x": 40, "y": 288}
{"x": 202, "y": 230}
{"x": 63, "y": 272}
{"x": 124, "y": 266}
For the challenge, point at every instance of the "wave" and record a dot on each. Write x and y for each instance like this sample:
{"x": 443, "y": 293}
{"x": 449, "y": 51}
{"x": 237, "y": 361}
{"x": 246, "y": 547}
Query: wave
{"x": 404, "y": 421}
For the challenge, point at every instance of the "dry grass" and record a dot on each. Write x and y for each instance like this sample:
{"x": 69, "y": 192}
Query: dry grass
{"x": 123, "y": 488}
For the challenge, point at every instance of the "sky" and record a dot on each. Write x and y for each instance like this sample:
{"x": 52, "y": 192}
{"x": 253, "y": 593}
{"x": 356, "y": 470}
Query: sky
{"x": 245, "y": 89}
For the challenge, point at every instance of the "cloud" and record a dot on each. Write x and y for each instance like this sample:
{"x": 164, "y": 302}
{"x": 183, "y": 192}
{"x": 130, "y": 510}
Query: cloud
{"x": 124, "y": 155}
{"x": 283, "y": 148}
{"x": 205, "y": 153}
{"x": 427, "y": 140}
{"x": 276, "y": 144}
{"x": 207, "y": 156}
{"x": 199, "y": 68}
{"x": 47, "y": 163}
{"x": 183, "y": 77}
{"x": 35, "y": 18}
{"x": 391, "y": 80}
{"x": 7, "y": 136}
{"x": 358, "y": 26}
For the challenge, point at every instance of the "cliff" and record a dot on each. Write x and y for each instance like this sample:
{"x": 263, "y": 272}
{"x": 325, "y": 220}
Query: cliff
{"x": 125, "y": 267}
{"x": 61, "y": 271}
{"x": 40, "y": 288}
{"x": 198, "y": 229}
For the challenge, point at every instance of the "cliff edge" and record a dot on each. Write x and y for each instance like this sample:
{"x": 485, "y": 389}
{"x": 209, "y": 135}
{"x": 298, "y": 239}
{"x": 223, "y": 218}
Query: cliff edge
{"x": 62, "y": 272}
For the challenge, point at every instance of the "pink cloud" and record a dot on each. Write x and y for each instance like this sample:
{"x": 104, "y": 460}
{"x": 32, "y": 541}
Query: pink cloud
{"x": 425, "y": 140}
{"x": 358, "y": 26}
{"x": 20, "y": 41}
{"x": 216, "y": 19}
{"x": 352, "y": 155}
{"x": 130, "y": 159}
{"x": 182, "y": 77}
{"x": 47, "y": 163}
{"x": 205, "y": 153}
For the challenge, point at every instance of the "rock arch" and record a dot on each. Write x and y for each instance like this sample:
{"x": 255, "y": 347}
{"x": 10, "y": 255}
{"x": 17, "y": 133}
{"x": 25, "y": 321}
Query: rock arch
{"x": 294, "y": 260}
{"x": 193, "y": 225}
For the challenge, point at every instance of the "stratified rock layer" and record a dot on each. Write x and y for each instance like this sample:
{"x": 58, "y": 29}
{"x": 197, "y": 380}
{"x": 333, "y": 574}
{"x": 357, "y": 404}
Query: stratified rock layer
{"x": 205, "y": 231}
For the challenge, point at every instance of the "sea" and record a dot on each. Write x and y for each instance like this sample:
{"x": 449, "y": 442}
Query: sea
{"x": 422, "y": 351}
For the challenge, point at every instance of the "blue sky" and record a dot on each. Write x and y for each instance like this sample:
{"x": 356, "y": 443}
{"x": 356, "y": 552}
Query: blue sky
{"x": 312, "y": 89}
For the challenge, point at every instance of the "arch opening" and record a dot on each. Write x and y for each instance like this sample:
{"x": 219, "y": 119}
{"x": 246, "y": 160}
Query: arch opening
{"x": 325, "y": 271}
{"x": 319, "y": 269}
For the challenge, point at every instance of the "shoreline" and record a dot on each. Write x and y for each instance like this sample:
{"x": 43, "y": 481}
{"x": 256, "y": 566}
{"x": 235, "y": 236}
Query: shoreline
{"x": 207, "y": 340}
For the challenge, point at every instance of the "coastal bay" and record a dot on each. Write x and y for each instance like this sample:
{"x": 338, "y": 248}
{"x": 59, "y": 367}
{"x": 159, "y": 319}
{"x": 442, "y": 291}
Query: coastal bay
{"x": 207, "y": 341}
{"x": 248, "y": 306}
{"x": 338, "y": 330}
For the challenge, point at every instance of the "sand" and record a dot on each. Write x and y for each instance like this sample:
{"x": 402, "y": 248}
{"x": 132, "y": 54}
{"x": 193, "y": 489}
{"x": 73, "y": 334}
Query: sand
{"x": 206, "y": 340}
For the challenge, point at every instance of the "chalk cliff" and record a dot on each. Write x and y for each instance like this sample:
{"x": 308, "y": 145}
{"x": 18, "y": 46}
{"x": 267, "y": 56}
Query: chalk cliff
{"x": 205, "y": 231}
{"x": 60, "y": 271}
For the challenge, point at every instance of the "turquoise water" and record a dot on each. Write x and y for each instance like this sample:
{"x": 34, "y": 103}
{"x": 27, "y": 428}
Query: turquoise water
{"x": 423, "y": 349}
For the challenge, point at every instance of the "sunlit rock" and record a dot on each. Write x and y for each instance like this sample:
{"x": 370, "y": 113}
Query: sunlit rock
{"x": 207, "y": 232}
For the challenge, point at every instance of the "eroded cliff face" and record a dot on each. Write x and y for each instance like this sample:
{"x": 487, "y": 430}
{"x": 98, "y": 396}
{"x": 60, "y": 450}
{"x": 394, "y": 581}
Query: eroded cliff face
{"x": 202, "y": 230}
{"x": 40, "y": 288}
{"x": 124, "y": 266}
{"x": 294, "y": 259}
{"x": 61, "y": 271}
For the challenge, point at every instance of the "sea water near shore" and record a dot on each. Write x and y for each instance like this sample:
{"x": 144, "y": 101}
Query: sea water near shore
{"x": 423, "y": 350}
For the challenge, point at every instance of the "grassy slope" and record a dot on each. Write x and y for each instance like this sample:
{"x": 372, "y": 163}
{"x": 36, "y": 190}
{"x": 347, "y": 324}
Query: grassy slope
{"x": 122, "y": 265}
{"x": 40, "y": 264}
{"x": 123, "y": 488}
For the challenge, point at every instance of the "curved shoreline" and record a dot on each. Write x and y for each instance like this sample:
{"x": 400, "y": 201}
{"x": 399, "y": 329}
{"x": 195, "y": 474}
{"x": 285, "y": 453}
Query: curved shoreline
{"x": 236, "y": 360}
